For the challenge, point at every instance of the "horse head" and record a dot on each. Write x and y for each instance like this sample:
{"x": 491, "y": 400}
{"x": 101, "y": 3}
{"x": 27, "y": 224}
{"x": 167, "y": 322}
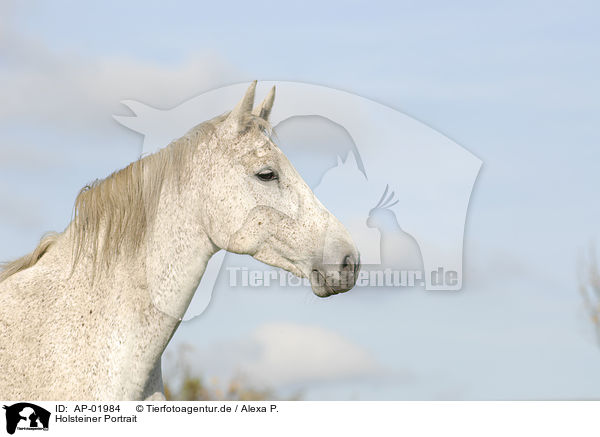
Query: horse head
{"x": 256, "y": 203}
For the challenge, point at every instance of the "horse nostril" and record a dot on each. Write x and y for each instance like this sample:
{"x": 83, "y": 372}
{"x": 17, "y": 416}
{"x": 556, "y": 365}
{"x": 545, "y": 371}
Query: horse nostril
{"x": 348, "y": 263}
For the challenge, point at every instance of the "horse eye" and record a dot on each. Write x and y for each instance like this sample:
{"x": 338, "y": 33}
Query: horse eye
{"x": 266, "y": 175}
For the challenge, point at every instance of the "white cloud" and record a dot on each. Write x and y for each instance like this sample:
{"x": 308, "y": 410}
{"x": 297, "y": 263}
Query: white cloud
{"x": 291, "y": 353}
{"x": 277, "y": 355}
{"x": 73, "y": 90}
{"x": 76, "y": 90}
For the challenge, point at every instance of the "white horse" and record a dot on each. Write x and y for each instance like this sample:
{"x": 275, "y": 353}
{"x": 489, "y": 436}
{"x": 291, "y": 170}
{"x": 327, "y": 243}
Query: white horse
{"x": 88, "y": 314}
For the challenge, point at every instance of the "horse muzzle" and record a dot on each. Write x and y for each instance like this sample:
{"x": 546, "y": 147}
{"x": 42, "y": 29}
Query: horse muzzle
{"x": 335, "y": 278}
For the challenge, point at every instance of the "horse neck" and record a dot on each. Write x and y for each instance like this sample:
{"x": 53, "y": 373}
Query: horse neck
{"x": 178, "y": 250}
{"x": 144, "y": 295}
{"x": 167, "y": 265}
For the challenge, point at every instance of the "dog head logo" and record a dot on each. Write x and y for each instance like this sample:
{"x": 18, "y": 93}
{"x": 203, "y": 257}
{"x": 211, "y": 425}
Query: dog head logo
{"x": 25, "y": 416}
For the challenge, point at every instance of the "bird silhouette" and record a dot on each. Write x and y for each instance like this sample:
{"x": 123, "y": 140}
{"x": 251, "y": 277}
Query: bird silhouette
{"x": 399, "y": 249}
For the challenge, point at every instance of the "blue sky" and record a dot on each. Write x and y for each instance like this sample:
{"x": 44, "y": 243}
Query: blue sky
{"x": 515, "y": 83}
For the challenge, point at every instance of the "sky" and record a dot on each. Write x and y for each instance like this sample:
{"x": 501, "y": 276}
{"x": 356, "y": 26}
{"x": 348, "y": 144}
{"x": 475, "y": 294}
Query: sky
{"x": 514, "y": 83}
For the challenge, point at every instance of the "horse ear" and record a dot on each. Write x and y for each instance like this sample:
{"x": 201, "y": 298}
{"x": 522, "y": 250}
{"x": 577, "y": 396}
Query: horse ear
{"x": 244, "y": 106}
{"x": 264, "y": 109}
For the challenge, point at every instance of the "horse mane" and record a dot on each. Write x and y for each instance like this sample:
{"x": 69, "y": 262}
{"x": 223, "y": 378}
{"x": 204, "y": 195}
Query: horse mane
{"x": 10, "y": 268}
{"x": 112, "y": 216}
